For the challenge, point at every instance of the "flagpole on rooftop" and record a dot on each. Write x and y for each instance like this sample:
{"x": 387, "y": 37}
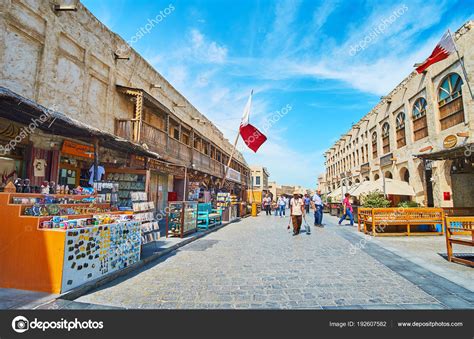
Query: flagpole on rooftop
{"x": 462, "y": 64}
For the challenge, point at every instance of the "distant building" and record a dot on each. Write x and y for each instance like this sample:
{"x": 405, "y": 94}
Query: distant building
{"x": 258, "y": 183}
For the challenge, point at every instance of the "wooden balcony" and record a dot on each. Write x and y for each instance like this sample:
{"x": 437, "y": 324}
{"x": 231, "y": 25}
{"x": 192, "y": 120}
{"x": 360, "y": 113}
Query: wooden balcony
{"x": 169, "y": 148}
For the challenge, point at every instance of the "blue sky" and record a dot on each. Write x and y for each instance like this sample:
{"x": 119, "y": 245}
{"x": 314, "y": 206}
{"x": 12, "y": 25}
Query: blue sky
{"x": 298, "y": 54}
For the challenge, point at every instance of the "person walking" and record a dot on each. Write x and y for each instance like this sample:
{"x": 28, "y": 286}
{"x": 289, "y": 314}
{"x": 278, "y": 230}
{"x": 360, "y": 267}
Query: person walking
{"x": 267, "y": 204}
{"x": 296, "y": 212}
{"x": 318, "y": 209}
{"x": 346, "y": 204}
{"x": 307, "y": 202}
{"x": 281, "y": 205}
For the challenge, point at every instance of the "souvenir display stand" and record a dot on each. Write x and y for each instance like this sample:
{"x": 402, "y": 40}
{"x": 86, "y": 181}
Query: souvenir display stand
{"x": 223, "y": 202}
{"x": 54, "y": 243}
{"x": 181, "y": 218}
{"x": 234, "y": 208}
{"x": 129, "y": 181}
{"x": 144, "y": 212}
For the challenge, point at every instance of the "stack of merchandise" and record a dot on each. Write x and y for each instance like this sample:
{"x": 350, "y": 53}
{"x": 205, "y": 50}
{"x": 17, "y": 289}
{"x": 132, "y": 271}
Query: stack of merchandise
{"x": 144, "y": 212}
{"x": 223, "y": 200}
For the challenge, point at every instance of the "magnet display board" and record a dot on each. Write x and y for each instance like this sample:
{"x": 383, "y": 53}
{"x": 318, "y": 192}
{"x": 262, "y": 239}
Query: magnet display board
{"x": 93, "y": 252}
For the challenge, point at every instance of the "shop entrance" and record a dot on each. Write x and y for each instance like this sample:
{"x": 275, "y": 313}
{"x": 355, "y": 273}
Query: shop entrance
{"x": 429, "y": 183}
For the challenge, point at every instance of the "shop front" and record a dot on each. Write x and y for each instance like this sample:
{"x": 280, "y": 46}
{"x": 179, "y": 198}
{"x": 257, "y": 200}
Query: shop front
{"x": 458, "y": 163}
{"x": 58, "y": 239}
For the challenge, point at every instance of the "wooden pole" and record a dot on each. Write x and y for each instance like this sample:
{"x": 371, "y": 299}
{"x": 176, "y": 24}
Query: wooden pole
{"x": 230, "y": 159}
{"x": 96, "y": 159}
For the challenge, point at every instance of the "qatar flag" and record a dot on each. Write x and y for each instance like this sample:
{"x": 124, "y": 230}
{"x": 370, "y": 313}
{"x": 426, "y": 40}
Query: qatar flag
{"x": 442, "y": 50}
{"x": 252, "y": 137}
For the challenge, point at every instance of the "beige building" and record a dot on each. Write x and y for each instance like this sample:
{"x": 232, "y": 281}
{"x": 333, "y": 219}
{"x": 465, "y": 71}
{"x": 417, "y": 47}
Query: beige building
{"x": 70, "y": 62}
{"x": 259, "y": 178}
{"x": 277, "y": 189}
{"x": 421, "y": 132}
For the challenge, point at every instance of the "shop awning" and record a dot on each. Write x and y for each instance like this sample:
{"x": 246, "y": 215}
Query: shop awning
{"x": 19, "y": 109}
{"x": 449, "y": 154}
{"x": 392, "y": 187}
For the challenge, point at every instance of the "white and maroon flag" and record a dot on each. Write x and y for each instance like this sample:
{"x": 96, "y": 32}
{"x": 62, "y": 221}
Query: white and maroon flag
{"x": 442, "y": 50}
{"x": 252, "y": 137}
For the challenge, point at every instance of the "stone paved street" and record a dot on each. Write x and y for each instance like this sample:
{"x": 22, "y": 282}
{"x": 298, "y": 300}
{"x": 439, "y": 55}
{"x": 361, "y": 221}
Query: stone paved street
{"x": 257, "y": 263}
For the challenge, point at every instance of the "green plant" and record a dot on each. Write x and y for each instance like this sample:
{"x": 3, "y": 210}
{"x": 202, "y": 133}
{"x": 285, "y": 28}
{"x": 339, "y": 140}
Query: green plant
{"x": 329, "y": 199}
{"x": 408, "y": 204}
{"x": 375, "y": 200}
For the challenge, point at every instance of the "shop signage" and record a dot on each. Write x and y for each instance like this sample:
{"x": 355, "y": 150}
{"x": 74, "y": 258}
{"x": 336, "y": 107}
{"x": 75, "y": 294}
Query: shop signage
{"x": 233, "y": 175}
{"x": 386, "y": 160}
{"x": 450, "y": 141}
{"x": 80, "y": 150}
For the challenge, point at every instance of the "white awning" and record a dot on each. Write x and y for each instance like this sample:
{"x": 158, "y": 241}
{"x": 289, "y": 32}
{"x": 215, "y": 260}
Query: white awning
{"x": 392, "y": 187}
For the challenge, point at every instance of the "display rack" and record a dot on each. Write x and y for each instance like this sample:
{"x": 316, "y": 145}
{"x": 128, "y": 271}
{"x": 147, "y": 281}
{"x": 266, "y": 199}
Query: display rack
{"x": 129, "y": 181}
{"x": 57, "y": 253}
{"x": 181, "y": 218}
{"x": 144, "y": 212}
{"x": 107, "y": 191}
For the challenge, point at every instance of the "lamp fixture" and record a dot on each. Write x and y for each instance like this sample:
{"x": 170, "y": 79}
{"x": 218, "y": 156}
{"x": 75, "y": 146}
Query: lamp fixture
{"x": 118, "y": 57}
{"x": 65, "y": 8}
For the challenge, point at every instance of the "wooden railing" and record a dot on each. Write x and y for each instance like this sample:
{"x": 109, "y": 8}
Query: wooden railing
{"x": 376, "y": 221}
{"x": 459, "y": 231}
{"x": 159, "y": 141}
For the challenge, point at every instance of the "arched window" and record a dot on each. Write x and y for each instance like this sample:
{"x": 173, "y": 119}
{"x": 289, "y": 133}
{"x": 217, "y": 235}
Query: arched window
{"x": 405, "y": 175}
{"x": 386, "y": 138}
{"x": 376, "y": 177}
{"x": 451, "y": 110}
{"x": 357, "y": 181}
{"x": 420, "y": 124}
{"x": 400, "y": 120}
{"x": 388, "y": 175}
{"x": 374, "y": 145}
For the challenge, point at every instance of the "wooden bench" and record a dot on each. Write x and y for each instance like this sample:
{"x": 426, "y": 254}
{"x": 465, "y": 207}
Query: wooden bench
{"x": 376, "y": 221}
{"x": 207, "y": 216}
{"x": 459, "y": 231}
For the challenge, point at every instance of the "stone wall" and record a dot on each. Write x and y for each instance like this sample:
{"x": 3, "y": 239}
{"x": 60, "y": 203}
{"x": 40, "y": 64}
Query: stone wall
{"x": 65, "y": 61}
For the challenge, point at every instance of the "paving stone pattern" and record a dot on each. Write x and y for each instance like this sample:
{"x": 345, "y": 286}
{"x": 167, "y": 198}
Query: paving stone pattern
{"x": 258, "y": 264}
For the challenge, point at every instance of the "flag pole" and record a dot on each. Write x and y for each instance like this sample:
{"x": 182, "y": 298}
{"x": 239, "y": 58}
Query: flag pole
{"x": 232, "y": 153}
{"x": 230, "y": 159}
{"x": 462, "y": 65}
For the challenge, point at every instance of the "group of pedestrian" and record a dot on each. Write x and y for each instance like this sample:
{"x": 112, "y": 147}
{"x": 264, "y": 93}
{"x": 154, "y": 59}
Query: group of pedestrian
{"x": 300, "y": 205}
{"x": 278, "y": 206}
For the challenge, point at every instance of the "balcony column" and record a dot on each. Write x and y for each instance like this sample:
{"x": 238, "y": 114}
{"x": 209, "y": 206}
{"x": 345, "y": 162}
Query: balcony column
{"x": 138, "y": 116}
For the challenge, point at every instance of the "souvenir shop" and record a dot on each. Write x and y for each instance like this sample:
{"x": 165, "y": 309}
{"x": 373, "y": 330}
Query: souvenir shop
{"x": 61, "y": 232}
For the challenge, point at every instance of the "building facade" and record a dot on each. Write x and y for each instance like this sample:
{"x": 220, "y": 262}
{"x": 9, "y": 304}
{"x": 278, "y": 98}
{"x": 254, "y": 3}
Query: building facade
{"x": 69, "y": 62}
{"x": 421, "y": 133}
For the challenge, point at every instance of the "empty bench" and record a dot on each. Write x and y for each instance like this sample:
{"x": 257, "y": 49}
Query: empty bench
{"x": 459, "y": 231}
{"x": 207, "y": 216}
{"x": 401, "y": 221}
